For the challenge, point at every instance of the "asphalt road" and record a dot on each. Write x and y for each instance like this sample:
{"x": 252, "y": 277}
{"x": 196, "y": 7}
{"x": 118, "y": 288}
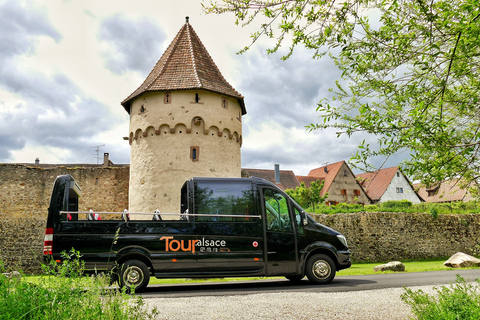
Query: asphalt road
{"x": 339, "y": 284}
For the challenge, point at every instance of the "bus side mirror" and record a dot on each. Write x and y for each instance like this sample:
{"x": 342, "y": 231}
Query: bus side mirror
{"x": 304, "y": 218}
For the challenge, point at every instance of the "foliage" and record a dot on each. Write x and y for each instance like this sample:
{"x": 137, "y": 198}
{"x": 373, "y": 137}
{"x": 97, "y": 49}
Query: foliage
{"x": 434, "y": 211}
{"x": 397, "y": 204}
{"x": 460, "y": 301}
{"x": 410, "y": 74}
{"x": 401, "y": 206}
{"x": 307, "y": 197}
{"x": 66, "y": 294}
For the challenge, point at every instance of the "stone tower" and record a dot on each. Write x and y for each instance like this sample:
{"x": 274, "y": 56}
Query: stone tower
{"x": 185, "y": 121}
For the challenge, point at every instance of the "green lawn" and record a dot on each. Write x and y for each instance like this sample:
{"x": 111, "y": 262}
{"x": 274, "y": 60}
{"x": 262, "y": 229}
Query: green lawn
{"x": 410, "y": 266}
{"x": 355, "y": 270}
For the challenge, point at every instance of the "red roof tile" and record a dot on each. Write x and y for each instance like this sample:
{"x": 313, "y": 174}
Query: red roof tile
{"x": 328, "y": 172}
{"x": 288, "y": 180}
{"x": 447, "y": 191}
{"x": 185, "y": 65}
{"x": 308, "y": 180}
{"x": 376, "y": 183}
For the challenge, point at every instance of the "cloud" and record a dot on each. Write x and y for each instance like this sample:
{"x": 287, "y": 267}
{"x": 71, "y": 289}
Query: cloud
{"x": 285, "y": 91}
{"x": 50, "y": 110}
{"x": 281, "y": 98}
{"x": 130, "y": 44}
{"x": 21, "y": 28}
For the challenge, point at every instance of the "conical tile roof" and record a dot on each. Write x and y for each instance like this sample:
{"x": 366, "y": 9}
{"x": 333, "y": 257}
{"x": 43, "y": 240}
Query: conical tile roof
{"x": 185, "y": 65}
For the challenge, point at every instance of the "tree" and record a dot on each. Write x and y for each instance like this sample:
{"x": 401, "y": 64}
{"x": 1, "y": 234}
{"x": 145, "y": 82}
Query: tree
{"x": 307, "y": 197}
{"x": 410, "y": 74}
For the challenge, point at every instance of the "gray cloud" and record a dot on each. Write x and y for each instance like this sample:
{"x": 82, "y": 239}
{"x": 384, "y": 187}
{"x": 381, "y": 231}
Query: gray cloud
{"x": 21, "y": 26}
{"x": 55, "y": 112}
{"x": 286, "y": 94}
{"x": 285, "y": 91}
{"x": 131, "y": 44}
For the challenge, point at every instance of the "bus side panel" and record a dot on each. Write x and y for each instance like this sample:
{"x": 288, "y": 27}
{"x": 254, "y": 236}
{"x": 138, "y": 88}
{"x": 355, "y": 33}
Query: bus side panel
{"x": 232, "y": 247}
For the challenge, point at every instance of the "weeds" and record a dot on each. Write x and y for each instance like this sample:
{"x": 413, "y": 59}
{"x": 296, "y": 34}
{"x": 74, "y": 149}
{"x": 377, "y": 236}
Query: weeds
{"x": 460, "y": 301}
{"x": 401, "y": 206}
{"x": 66, "y": 293}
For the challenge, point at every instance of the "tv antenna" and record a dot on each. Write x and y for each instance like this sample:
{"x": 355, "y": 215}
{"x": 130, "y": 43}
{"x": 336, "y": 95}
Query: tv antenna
{"x": 97, "y": 151}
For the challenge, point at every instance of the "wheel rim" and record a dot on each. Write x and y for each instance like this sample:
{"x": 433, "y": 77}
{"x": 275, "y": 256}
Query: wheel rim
{"x": 321, "y": 269}
{"x": 133, "y": 276}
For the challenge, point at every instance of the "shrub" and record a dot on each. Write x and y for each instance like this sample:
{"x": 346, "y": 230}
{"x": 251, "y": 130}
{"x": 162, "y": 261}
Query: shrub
{"x": 434, "y": 211}
{"x": 65, "y": 293}
{"x": 396, "y": 205}
{"x": 460, "y": 301}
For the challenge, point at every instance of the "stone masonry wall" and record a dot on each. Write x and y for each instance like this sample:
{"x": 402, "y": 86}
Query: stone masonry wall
{"x": 383, "y": 236}
{"x": 380, "y": 237}
{"x": 24, "y": 200}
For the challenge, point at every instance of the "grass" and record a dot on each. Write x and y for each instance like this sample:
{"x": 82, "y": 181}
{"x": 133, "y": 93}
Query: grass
{"x": 356, "y": 269}
{"x": 404, "y": 206}
{"x": 460, "y": 300}
{"x": 65, "y": 293}
{"x": 410, "y": 266}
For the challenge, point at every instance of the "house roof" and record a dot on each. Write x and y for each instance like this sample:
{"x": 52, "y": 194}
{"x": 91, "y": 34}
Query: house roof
{"x": 447, "y": 191}
{"x": 308, "y": 180}
{"x": 185, "y": 65}
{"x": 288, "y": 180}
{"x": 328, "y": 173}
{"x": 376, "y": 183}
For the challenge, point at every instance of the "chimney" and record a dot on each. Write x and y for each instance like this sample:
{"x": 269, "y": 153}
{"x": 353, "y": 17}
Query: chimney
{"x": 105, "y": 159}
{"x": 277, "y": 173}
{"x": 37, "y": 161}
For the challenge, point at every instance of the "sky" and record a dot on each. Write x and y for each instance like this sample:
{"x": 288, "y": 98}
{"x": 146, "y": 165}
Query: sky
{"x": 65, "y": 66}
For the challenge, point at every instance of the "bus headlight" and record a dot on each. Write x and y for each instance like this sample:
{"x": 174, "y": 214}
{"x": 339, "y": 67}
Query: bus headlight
{"x": 342, "y": 239}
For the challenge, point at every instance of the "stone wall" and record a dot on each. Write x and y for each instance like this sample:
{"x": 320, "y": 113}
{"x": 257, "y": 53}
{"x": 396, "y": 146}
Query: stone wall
{"x": 24, "y": 200}
{"x": 25, "y": 194}
{"x": 381, "y": 236}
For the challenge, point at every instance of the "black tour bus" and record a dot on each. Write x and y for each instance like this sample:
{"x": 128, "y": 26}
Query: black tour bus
{"x": 227, "y": 227}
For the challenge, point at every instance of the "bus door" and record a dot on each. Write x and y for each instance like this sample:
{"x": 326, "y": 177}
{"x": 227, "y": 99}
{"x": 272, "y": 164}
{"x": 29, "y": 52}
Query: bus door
{"x": 280, "y": 240}
{"x": 229, "y": 232}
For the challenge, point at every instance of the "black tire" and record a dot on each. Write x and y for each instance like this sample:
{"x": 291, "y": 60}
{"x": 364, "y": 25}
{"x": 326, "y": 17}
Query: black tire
{"x": 295, "y": 278}
{"x": 320, "y": 269}
{"x": 134, "y": 274}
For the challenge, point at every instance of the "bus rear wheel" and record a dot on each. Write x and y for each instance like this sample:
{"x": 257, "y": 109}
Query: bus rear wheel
{"x": 134, "y": 275}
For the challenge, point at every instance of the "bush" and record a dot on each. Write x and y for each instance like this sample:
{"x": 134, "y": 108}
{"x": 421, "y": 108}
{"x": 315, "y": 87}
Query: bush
{"x": 460, "y": 301}
{"x": 371, "y": 208}
{"x": 396, "y": 205}
{"x": 67, "y": 294}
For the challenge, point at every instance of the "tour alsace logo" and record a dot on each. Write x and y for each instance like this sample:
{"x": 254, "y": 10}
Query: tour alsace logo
{"x": 204, "y": 245}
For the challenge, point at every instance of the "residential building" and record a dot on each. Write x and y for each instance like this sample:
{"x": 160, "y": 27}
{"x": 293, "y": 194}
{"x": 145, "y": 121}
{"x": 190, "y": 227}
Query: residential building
{"x": 340, "y": 184}
{"x": 447, "y": 191}
{"x": 388, "y": 184}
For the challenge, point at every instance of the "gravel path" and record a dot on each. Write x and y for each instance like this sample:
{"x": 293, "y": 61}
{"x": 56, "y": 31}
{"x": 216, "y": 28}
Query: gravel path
{"x": 369, "y": 304}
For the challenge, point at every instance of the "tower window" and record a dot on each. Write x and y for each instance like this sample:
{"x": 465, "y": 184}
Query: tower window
{"x": 168, "y": 97}
{"x": 398, "y": 174}
{"x": 224, "y": 103}
{"x": 194, "y": 153}
{"x": 142, "y": 109}
{"x": 197, "y": 98}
